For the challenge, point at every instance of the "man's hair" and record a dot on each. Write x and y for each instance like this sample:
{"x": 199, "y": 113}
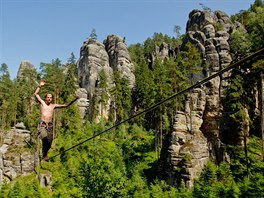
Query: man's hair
{"x": 48, "y": 94}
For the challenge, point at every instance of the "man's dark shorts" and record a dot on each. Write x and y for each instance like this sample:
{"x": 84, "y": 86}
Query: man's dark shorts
{"x": 45, "y": 133}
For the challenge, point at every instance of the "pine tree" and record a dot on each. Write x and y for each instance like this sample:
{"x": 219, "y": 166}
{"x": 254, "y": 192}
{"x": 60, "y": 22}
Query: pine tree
{"x": 71, "y": 79}
{"x": 178, "y": 81}
{"x": 8, "y": 98}
{"x": 27, "y": 84}
{"x": 93, "y": 35}
{"x": 71, "y": 116}
{"x": 190, "y": 60}
{"x": 255, "y": 27}
{"x": 101, "y": 95}
{"x": 122, "y": 96}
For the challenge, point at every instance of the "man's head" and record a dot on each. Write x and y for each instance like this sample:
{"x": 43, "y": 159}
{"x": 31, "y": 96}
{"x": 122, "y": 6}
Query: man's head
{"x": 48, "y": 98}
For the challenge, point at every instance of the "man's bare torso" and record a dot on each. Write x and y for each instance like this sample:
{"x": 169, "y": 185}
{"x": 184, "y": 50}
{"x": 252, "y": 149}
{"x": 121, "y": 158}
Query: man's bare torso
{"x": 47, "y": 112}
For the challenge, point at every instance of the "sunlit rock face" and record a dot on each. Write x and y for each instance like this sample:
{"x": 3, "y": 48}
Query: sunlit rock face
{"x": 25, "y": 66}
{"x": 82, "y": 102}
{"x": 93, "y": 61}
{"x": 17, "y": 155}
{"x": 196, "y": 139}
{"x": 119, "y": 58}
{"x": 97, "y": 58}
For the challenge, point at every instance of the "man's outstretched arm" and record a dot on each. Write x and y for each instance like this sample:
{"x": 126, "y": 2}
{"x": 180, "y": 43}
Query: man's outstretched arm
{"x": 42, "y": 83}
{"x": 66, "y": 105}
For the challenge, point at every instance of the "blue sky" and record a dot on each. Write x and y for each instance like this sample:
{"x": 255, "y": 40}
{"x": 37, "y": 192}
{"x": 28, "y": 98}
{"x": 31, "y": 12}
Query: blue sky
{"x": 42, "y": 30}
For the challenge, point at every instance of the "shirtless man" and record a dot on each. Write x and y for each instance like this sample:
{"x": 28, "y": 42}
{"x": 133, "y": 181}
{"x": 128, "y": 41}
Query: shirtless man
{"x": 45, "y": 126}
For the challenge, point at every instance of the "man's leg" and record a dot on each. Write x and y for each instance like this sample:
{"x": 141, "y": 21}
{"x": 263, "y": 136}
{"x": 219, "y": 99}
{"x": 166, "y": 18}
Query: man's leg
{"x": 47, "y": 142}
{"x": 43, "y": 136}
{"x": 46, "y": 145}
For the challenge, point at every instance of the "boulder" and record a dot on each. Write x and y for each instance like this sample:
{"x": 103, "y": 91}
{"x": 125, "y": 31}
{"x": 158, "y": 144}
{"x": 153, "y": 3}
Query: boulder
{"x": 20, "y": 125}
{"x": 17, "y": 155}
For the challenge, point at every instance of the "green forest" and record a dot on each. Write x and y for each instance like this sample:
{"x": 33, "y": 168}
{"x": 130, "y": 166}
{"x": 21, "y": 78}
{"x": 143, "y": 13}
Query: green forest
{"x": 125, "y": 161}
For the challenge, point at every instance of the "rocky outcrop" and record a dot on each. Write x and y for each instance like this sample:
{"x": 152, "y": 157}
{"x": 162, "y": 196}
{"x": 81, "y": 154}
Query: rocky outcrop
{"x": 25, "y": 66}
{"x": 45, "y": 180}
{"x": 162, "y": 51}
{"x": 119, "y": 58}
{"x": 96, "y": 65}
{"x": 17, "y": 156}
{"x": 93, "y": 61}
{"x": 196, "y": 131}
{"x": 82, "y": 102}
{"x": 187, "y": 152}
{"x": 210, "y": 33}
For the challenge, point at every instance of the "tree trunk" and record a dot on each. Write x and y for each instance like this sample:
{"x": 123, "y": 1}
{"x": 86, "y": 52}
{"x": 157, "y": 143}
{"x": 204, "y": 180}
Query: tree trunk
{"x": 262, "y": 112}
{"x": 191, "y": 109}
{"x": 245, "y": 127}
{"x": 161, "y": 132}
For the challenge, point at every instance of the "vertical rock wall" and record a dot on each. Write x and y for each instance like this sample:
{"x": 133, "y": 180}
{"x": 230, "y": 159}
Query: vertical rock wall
{"x": 195, "y": 138}
{"x": 94, "y": 59}
{"x": 119, "y": 58}
{"x": 25, "y": 65}
{"x": 187, "y": 152}
{"x": 17, "y": 157}
{"x": 110, "y": 56}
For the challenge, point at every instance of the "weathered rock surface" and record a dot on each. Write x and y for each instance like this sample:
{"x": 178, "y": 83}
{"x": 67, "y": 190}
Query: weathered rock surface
{"x": 196, "y": 131}
{"x": 45, "y": 180}
{"x": 17, "y": 157}
{"x": 82, "y": 102}
{"x": 93, "y": 60}
{"x": 119, "y": 58}
{"x": 20, "y": 125}
{"x": 162, "y": 51}
{"x": 187, "y": 152}
{"x": 25, "y": 65}
{"x": 107, "y": 57}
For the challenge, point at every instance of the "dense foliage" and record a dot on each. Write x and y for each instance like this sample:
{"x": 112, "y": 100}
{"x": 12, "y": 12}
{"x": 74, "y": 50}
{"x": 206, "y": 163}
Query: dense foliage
{"x": 124, "y": 161}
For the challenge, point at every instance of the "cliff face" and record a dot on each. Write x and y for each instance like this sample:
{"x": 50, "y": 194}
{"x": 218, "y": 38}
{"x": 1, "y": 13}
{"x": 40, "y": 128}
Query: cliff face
{"x": 196, "y": 137}
{"x": 25, "y": 66}
{"x": 119, "y": 58}
{"x": 95, "y": 57}
{"x": 17, "y": 157}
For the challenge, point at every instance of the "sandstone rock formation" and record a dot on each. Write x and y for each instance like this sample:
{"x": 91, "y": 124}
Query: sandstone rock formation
{"x": 25, "y": 65}
{"x": 17, "y": 157}
{"x": 93, "y": 60}
{"x": 107, "y": 57}
{"x": 196, "y": 131}
{"x": 187, "y": 151}
{"x": 45, "y": 180}
{"x": 82, "y": 102}
{"x": 119, "y": 58}
{"x": 162, "y": 51}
